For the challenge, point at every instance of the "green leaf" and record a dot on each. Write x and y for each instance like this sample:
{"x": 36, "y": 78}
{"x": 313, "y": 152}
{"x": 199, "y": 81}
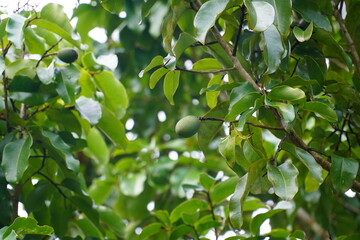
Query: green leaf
{"x": 301, "y": 35}
{"x": 150, "y": 230}
{"x": 156, "y": 76}
{"x": 274, "y": 48}
{"x": 15, "y": 159}
{"x": 97, "y": 146}
{"x": 46, "y": 75}
{"x": 207, "y": 64}
{"x": 284, "y": 179}
{"x": 286, "y": 109}
{"x": 248, "y": 113}
{"x": 116, "y": 98}
{"x": 306, "y": 158}
{"x": 2, "y": 64}
{"x": 14, "y": 30}
{"x": 260, "y": 218}
{"x": 171, "y": 83}
{"x": 89, "y": 109}
{"x": 184, "y": 41}
{"x": 156, "y": 61}
{"x": 66, "y": 82}
{"x": 283, "y": 15}
{"x": 206, "y": 16}
{"x": 112, "y": 220}
{"x": 113, "y": 128}
{"x": 286, "y": 93}
{"x": 23, "y": 225}
{"x": 188, "y": 206}
{"x": 113, "y": 6}
{"x": 206, "y": 181}
{"x": 322, "y": 109}
{"x": 241, "y": 192}
{"x": 34, "y": 43}
{"x": 310, "y": 11}
{"x": 343, "y": 172}
{"x": 53, "y": 27}
{"x": 223, "y": 189}
{"x": 132, "y": 184}
{"x": 261, "y": 15}
{"x": 211, "y": 96}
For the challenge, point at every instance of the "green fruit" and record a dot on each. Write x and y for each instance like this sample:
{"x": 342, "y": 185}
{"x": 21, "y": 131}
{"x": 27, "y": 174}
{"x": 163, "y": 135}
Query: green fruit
{"x": 187, "y": 126}
{"x": 68, "y": 55}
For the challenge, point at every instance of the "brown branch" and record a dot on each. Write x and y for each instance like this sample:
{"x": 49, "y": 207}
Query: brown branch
{"x": 303, "y": 216}
{"x": 46, "y": 52}
{"x": 353, "y": 52}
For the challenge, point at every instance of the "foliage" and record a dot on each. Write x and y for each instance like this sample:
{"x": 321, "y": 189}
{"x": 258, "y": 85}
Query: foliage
{"x": 89, "y": 148}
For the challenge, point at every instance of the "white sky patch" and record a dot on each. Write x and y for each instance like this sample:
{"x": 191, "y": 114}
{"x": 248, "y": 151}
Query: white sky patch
{"x": 150, "y": 206}
{"x": 98, "y": 34}
{"x": 129, "y": 124}
{"x": 173, "y": 155}
{"x": 122, "y": 14}
{"x": 21, "y": 210}
{"x": 265, "y": 227}
{"x": 350, "y": 193}
{"x": 162, "y": 116}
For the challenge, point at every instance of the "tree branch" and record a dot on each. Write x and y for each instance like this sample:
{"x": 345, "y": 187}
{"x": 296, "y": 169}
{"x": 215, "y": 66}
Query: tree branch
{"x": 353, "y": 52}
{"x": 205, "y": 72}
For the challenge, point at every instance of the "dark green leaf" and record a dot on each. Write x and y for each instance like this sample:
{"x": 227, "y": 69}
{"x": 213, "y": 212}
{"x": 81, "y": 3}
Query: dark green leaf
{"x": 66, "y": 82}
{"x": 322, "y": 109}
{"x": 23, "y": 225}
{"x": 343, "y": 172}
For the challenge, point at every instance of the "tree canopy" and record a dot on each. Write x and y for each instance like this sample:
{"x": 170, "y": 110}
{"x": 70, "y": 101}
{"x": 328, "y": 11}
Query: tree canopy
{"x": 88, "y": 143}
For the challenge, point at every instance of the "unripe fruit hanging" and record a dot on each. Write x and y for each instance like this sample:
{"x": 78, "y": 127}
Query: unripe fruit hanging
{"x": 187, "y": 126}
{"x": 68, "y": 55}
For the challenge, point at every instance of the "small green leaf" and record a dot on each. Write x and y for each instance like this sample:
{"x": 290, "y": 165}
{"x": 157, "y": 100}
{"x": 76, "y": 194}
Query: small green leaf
{"x": 113, "y": 128}
{"x": 132, "y": 184}
{"x": 156, "y": 76}
{"x": 274, "y": 48}
{"x": 15, "y": 159}
{"x": 23, "y": 225}
{"x": 156, "y": 61}
{"x": 188, "y": 206}
{"x": 261, "y": 15}
{"x": 322, "y": 109}
{"x": 284, "y": 179}
{"x": 260, "y": 218}
{"x": 89, "y": 109}
{"x": 306, "y": 158}
{"x": 211, "y": 96}
{"x": 14, "y": 29}
{"x": 223, "y": 189}
{"x": 113, "y": 6}
{"x": 206, "y": 16}
{"x": 207, "y": 64}
{"x": 171, "y": 83}
{"x": 184, "y": 41}
{"x": 97, "y": 146}
{"x": 116, "y": 98}
{"x": 66, "y": 82}
{"x": 283, "y": 15}
{"x": 46, "y": 75}
{"x": 301, "y": 35}
{"x": 150, "y": 230}
{"x": 343, "y": 172}
{"x": 286, "y": 93}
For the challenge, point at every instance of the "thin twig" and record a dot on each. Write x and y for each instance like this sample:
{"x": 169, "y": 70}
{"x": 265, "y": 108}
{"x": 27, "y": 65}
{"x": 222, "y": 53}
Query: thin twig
{"x": 199, "y": 44}
{"x": 46, "y": 52}
{"x": 348, "y": 38}
{"x": 239, "y": 30}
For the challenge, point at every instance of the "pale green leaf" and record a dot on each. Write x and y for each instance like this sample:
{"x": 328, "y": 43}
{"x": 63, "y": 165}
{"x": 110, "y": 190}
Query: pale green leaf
{"x": 150, "y": 230}
{"x": 286, "y": 93}
{"x": 274, "y": 48}
{"x": 89, "y": 109}
{"x": 343, "y": 172}
{"x": 29, "y": 225}
{"x": 15, "y": 159}
{"x": 184, "y": 41}
{"x": 156, "y": 76}
{"x": 14, "y": 29}
{"x": 211, "y": 96}
{"x": 132, "y": 184}
{"x": 156, "y": 61}
{"x": 261, "y": 14}
{"x": 283, "y": 15}
{"x": 171, "y": 83}
{"x": 206, "y": 16}
{"x": 284, "y": 179}
{"x": 303, "y": 35}
{"x": 188, "y": 206}
{"x": 207, "y": 64}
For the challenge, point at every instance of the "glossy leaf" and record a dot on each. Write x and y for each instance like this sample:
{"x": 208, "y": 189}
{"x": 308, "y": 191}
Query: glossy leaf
{"x": 305, "y": 35}
{"x": 207, "y": 64}
{"x": 286, "y": 93}
{"x": 156, "y": 61}
{"x": 14, "y": 30}
{"x": 306, "y": 158}
{"x": 97, "y": 146}
{"x": 284, "y": 179}
{"x": 116, "y": 98}
{"x": 322, "y": 109}
{"x": 66, "y": 82}
{"x": 15, "y": 159}
{"x": 184, "y": 41}
{"x": 211, "y": 97}
{"x": 206, "y": 16}
{"x": 189, "y": 206}
{"x": 274, "y": 49}
{"x": 283, "y": 16}
{"x": 46, "y": 75}
{"x": 113, "y": 128}
{"x": 156, "y": 76}
{"x": 223, "y": 189}
{"x": 171, "y": 83}
{"x": 29, "y": 225}
{"x": 150, "y": 230}
{"x": 343, "y": 172}
{"x": 113, "y": 6}
{"x": 89, "y": 109}
{"x": 261, "y": 14}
